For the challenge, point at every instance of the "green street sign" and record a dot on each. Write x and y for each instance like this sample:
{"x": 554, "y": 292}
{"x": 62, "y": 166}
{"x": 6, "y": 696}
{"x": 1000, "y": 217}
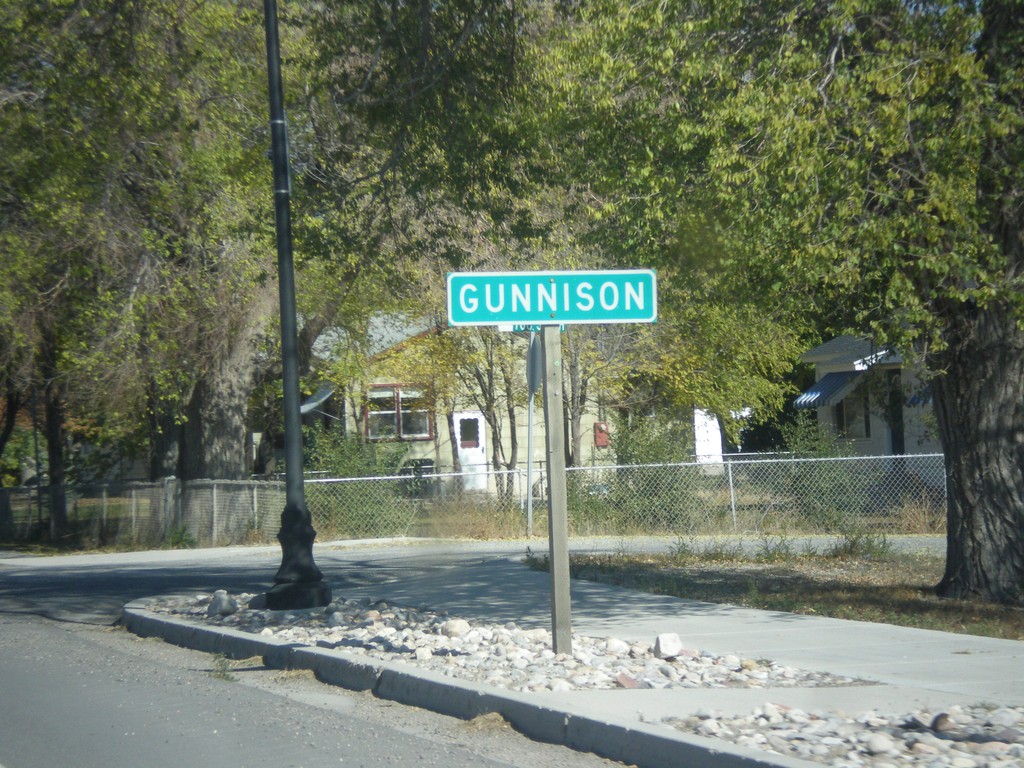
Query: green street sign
{"x": 552, "y": 298}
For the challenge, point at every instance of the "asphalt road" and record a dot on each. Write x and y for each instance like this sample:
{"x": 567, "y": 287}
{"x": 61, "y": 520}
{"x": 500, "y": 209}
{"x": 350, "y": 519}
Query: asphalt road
{"x": 77, "y": 691}
{"x": 93, "y": 588}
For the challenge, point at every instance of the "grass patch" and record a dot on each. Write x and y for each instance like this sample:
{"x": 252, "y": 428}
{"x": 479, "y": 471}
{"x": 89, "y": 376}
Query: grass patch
{"x": 470, "y": 519}
{"x": 222, "y": 668}
{"x": 862, "y": 581}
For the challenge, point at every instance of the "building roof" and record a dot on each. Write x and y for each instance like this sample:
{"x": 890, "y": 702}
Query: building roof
{"x": 387, "y": 331}
{"x": 856, "y": 351}
{"x": 839, "y": 349}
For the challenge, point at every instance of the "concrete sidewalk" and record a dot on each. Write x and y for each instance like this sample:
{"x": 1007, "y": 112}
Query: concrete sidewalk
{"x": 908, "y": 668}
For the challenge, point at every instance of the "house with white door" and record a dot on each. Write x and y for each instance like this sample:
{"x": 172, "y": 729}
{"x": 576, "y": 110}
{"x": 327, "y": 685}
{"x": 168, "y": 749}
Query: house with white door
{"x": 394, "y": 410}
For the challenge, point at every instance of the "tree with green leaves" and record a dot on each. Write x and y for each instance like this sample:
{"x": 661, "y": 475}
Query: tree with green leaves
{"x": 136, "y": 267}
{"x": 856, "y": 164}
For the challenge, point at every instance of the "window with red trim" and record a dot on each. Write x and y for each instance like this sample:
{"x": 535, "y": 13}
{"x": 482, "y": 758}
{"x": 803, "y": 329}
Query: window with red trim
{"x": 397, "y": 413}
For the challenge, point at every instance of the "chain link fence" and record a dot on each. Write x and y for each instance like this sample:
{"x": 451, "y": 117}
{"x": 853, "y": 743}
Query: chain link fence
{"x": 871, "y": 495}
{"x": 740, "y": 496}
{"x": 169, "y": 513}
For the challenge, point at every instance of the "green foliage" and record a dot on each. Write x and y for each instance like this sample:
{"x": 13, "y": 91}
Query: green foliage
{"x": 656, "y": 487}
{"x": 690, "y": 550}
{"x": 819, "y": 160}
{"x": 360, "y": 510}
{"x": 835, "y": 497}
{"x": 677, "y": 499}
{"x": 859, "y": 544}
{"x": 652, "y": 440}
{"x": 805, "y": 438}
{"x": 131, "y": 148}
{"x": 616, "y": 89}
{"x": 179, "y": 537}
{"x": 333, "y": 452}
{"x": 20, "y": 449}
{"x": 222, "y": 669}
{"x": 775, "y": 548}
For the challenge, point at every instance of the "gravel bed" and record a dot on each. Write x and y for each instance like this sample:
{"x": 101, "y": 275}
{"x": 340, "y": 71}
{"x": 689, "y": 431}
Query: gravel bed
{"x": 520, "y": 659}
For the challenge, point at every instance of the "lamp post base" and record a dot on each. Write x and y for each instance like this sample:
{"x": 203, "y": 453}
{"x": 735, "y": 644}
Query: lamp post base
{"x": 299, "y": 583}
{"x": 298, "y": 595}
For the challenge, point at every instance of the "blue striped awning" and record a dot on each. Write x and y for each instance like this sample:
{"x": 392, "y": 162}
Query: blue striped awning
{"x": 319, "y": 398}
{"x": 829, "y": 390}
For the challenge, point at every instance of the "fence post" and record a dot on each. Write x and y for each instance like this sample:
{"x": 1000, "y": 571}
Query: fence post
{"x": 255, "y": 508}
{"x": 213, "y": 513}
{"x": 132, "y": 503}
{"x": 179, "y": 503}
{"x": 169, "y": 502}
{"x": 732, "y": 496}
{"x": 165, "y": 519}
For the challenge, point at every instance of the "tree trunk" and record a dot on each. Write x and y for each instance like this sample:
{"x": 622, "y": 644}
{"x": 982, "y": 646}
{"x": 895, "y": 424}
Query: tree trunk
{"x": 512, "y": 460}
{"x": 980, "y": 395}
{"x": 494, "y": 424}
{"x": 453, "y": 441}
{"x": 575, "y": 383}
{"x": 214, "y": 442}
{"x": 53, "y": 407}
{"x": 53, "y": 411}
{"x": 164, "y": 438}
{"x": 13, "y": 402}
{"x": 979, "y": 402}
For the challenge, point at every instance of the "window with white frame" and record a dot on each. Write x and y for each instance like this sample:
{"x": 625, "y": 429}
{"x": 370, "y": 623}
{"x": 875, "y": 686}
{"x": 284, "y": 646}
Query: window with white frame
{"x": 397, "y": 413}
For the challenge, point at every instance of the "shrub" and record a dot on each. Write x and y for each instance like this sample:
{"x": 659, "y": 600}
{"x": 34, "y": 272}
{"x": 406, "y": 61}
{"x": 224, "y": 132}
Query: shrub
{"x": 333, "y": 452}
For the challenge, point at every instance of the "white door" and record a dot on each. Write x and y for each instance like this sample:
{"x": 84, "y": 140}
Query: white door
{"x": 472, "y": 447}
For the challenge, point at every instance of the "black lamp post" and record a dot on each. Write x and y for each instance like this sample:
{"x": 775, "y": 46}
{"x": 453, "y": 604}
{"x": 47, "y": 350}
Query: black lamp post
{"x": 298, "y": 583}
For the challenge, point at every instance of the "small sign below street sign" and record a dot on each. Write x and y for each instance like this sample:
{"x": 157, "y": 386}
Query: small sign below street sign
{"x": 535, "y": 328}
{"x": 552, "y": 298}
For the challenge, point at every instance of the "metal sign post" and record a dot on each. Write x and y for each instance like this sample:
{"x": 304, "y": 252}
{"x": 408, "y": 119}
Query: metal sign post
{"x": 558, "y": 525}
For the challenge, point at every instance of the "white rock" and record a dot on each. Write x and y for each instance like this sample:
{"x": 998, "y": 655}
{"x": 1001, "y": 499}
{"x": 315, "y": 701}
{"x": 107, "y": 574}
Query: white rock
{"x": 523, "y": 660}
{"x": 878, "y": 744}
{"x": 455, "y": 628}
{"x": 222, "y": 604}
{"x": 709, "y": 727}
{"x": 621, "y": 648}
{"x": 1006, "y": 717}
{"x": 668, "y": 646}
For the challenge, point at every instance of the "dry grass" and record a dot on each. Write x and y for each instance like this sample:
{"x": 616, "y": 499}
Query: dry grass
{"x": 471, "y": 521}
{"x": 491, "y": 721}
{"x": 894, "y": 588}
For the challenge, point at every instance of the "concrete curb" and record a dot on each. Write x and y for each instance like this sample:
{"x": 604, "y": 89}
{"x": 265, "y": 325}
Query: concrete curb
{"x": 614, "y": 736}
